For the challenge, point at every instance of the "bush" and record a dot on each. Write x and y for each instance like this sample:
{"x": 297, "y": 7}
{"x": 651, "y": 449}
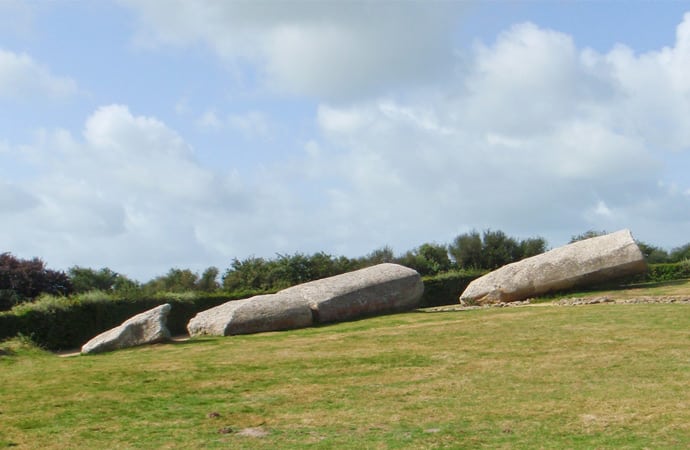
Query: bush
{"x": 445, "y": 288}
{"x": 23, "y": 280}
{"x": 669, "y": 271}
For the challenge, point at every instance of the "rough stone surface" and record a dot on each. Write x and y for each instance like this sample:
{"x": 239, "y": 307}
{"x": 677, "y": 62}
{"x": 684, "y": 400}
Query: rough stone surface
{"x": 148, "y": 327}
{"x": 579, "y": 264}
{"x": 384, "y": 288}
{"x": 380, "y": 289}
{"x": 252, "y": 315}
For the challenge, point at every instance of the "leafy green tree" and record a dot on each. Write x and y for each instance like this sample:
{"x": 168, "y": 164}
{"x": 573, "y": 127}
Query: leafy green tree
{"x": 467, "y": 249}
{"x": 289, "y": 270}
{"x": 126, "y": 287}
{"x": 284, "y": 271}
{"x": 532, "y": 247}
{"x": 499, "y": 249}
{"x": 587, "y": 235}
{"x": 427, "y": 259}
{"x": 492, "y": 249}
{"x": 379, "y": 256}
{"x": 209, "y": 280}
{"x": 176, "y": 280}
{"x": 653, "y": 254}
{"x": 680, "y": 253}
{"x": 85, "y": 279}
{"x": 437, "y": 255}
{"x": 249, "y": 273}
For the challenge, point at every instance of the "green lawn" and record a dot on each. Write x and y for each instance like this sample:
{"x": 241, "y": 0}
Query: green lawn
{"x": 604, "y": 376}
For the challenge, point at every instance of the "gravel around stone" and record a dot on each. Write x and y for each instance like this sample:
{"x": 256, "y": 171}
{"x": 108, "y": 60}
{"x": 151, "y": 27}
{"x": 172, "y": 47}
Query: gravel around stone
{"x": 569, "y": 301}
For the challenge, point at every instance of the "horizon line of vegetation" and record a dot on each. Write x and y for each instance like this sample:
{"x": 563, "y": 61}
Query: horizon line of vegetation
{"x": 25, "y": 280}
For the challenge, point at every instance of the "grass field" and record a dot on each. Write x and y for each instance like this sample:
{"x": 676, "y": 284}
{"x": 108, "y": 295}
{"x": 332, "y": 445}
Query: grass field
{"x": 604, "y": 376}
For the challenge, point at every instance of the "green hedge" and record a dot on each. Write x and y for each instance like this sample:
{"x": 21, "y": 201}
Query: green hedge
{"x": 59, "y": 323}
{"x": 445, "y": 288}
{"x": 667, "y": 272}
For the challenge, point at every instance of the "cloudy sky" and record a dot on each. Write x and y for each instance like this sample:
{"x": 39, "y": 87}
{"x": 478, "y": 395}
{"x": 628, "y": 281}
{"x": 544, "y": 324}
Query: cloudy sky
{"x": 143, "y": 135}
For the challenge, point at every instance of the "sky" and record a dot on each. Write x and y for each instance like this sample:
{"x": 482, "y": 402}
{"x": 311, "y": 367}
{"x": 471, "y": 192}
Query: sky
{"x": 145, "y": 135}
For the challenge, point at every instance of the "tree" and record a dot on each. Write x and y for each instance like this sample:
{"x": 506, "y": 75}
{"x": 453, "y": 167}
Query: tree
{"x": 467, "y": 249}
{"x": 499, "y": 249}
{"x": 209, "y": 280}
{"x": 653, "y": 255}
{"x": 492, "y": 249}
{"x": 532, "y": 247}
{"x": 427, "y": 259}
{"x": 379, "y": 256}
{"x": 587, "y": 235}
{"x": 85, "y": 279}
{"x": 25, "y": 279}
{"x": 680, "y": 253}
{"x": 176, "y": 280}
{"x": 249, "y": 273}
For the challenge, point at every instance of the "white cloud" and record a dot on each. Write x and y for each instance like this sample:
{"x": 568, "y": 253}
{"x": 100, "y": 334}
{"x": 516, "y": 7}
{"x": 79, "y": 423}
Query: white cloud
{"x": 22, "y": 77}
{"x": 129, "y": 194}
{"x": 531, "y": 135}
{"x": 334, "y": 50}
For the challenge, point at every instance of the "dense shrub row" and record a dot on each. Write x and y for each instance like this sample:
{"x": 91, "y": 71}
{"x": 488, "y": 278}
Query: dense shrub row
{"x": 445, "y": 288}
{"x": 68, "y": 322}
{"x": 669, "y": 271}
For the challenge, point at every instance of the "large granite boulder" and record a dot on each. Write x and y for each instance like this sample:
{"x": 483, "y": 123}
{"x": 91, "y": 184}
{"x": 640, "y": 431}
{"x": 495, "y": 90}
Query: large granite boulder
{"x": 148, "y": 327}
{"x": 380, "y": 289}
{"x": 579, "y": 264}
{"x": 384, "y": 288}
{"x": 252, "y": 315}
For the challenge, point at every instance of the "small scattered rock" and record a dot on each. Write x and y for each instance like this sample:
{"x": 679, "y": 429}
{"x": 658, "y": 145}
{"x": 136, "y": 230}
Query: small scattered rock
{"x": 225, "y": 430}
{"x": 213, "y": 415}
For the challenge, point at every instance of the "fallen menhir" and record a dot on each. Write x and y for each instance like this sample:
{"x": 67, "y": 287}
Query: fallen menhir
{"x": 148, "y": 327}
{"x": 381, "y": 289}
{"x": 579, "y": 264}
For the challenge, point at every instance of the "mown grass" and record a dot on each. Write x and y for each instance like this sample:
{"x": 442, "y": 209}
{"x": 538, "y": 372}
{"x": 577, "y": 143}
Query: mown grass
{"x": 605, "y": 376}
